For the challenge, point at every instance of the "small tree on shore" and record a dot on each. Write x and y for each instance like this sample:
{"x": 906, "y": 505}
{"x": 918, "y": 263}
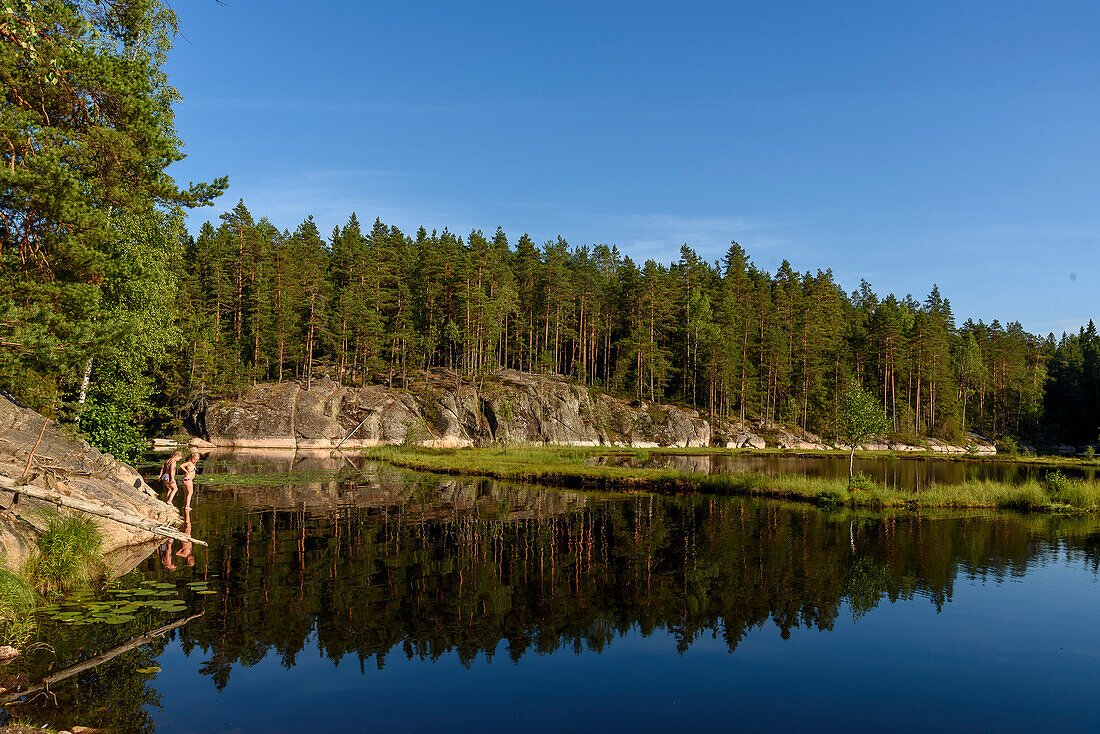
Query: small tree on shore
{"x": 861, "y": 417}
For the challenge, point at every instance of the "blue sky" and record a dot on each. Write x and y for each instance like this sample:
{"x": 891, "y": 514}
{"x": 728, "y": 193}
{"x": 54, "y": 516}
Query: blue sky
{"x": 905, "y": 143}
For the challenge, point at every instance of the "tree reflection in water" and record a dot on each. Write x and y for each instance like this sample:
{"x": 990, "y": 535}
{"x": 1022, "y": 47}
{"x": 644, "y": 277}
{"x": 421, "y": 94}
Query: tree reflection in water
{"x": 542, "y": 570}
{"x": 422, "y": 567}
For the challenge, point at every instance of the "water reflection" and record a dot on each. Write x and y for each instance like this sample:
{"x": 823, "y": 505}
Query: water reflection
{"x": 411, "y": 567}
{"x": 905, "y": 472}
{"x": 422, "y": 566}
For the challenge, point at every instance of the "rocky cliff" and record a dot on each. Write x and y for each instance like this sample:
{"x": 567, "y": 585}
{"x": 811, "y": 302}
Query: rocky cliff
{"x": 442, "y": 409}
{"x": 70, "y": 467}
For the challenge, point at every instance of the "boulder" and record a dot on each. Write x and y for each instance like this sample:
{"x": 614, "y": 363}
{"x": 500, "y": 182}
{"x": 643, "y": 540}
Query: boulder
{"x": 752, "y": 441}
{"x": 70, "y": 466}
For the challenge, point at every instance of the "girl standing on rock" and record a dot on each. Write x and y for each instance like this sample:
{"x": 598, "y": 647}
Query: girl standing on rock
{"x": 188, "y": 468}
{"x": 168, "y": 474}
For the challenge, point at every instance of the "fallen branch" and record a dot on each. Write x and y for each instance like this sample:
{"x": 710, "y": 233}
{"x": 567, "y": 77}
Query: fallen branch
{"x": 69, "y": 672}
{"x": 95, "y": 508}
{"x": 30, "y": 457}
{"x": 352, "y": 431}
{"x": 27, "y": 468}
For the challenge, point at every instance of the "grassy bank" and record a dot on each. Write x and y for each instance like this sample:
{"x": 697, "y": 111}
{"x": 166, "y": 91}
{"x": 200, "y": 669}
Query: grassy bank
{"x": 573, "y": 467}
{"x": 69, "y": 557}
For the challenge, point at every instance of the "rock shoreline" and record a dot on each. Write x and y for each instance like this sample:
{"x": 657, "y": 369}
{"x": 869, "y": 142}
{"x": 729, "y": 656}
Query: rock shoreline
{"x": 443, "y": 410}
{"x": 70, "y": 466}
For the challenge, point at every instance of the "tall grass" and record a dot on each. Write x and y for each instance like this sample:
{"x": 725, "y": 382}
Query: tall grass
{"x": 17, "y": 602}
{"x": 572, "y": 467}
{"x": 69, "y": 555}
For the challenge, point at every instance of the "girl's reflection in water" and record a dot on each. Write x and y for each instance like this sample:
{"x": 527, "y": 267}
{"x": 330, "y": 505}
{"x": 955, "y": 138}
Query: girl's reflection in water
{"x": 186, "y": 551}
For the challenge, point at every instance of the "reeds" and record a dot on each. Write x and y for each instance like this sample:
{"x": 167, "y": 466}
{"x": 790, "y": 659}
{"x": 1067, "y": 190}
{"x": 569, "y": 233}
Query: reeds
{"x": 17, "y": 602}
{"x": 573, "y": 467}
{"x": 69, "y": 555}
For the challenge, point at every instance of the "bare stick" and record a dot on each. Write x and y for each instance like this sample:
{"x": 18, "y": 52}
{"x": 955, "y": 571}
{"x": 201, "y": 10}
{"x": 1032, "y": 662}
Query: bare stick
{"x": 30, "y": 458}
{"x": 49, "y": 680}
{"x": 349, "y": 435}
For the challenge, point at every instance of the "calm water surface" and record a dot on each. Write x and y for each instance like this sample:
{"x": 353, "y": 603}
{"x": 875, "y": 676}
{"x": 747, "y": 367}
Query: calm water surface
{"x": 906, "y": 472}
{"x": 399, "y": 602}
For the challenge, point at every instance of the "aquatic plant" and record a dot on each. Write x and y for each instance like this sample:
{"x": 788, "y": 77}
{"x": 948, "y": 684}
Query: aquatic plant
{"x": 69, "y": 555}
{"x": 1029, "y": 498}
{"x": 119, "y": 604}
{"x": 1067, "y": 491}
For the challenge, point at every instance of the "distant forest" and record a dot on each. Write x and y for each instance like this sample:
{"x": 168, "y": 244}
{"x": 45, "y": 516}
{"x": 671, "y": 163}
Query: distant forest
{"x": 184, "y": 318}
{"x": 114, "y": 320}
{"x": 734, "y": 341}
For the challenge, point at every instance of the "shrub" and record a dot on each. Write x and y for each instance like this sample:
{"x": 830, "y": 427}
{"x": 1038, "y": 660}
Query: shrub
{"x": 111, "y": 432}
{"x": 862, "y": 483}
{"x": 1067, "y": 491}
{"x": 832, "y": 498}
{"x": 1008, "y": 445}
{"x": 69, "y": 555}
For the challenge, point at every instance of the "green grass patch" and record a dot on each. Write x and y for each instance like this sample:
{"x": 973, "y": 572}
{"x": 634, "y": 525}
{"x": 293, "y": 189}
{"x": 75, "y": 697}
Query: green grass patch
{"x": 17, "y": 602}
{"x": 275, "y": 478}
{"x": 575, "y": 468}
{"x": 70, "y": 555}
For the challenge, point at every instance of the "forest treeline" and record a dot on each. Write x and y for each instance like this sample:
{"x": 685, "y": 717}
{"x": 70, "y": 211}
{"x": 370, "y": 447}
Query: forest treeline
{"x": 726, "y": 337}
{"x": 199, "y": 318}
{"x": 113, "y": 318}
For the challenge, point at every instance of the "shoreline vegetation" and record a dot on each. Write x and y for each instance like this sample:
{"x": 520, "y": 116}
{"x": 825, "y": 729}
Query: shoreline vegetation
{"x": 571, "y": 468}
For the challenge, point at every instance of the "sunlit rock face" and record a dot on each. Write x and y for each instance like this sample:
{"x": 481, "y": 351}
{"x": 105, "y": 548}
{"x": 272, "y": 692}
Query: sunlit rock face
{"x": 71, "y": 467}
{"x": 444, "y": 410}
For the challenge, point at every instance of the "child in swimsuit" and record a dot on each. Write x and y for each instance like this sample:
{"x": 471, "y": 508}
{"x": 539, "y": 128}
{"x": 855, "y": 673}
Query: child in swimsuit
{"x": 168, "y": 474}
{"x": 188, "y": 467}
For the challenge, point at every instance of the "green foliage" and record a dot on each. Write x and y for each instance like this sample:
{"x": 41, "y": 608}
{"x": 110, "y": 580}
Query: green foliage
{"x": 69, "y": 555}
{"x": 860, "y": 415}
{"x": 1008, "y": 445}
{"x": 17, "y": 602}
{"x": 862, "y": 483}
{"x": 111, "y": 432}
{"x": 1071, "y": 401}
{"x": 1030, "y": 498}
{"x": 82, "y": 85}
{"x": 860, "y": 418}
{"x": 1072, "y": 492}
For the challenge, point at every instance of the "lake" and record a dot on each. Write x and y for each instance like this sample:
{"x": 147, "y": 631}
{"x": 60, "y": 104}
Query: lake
{"x": 371, "y": 599}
